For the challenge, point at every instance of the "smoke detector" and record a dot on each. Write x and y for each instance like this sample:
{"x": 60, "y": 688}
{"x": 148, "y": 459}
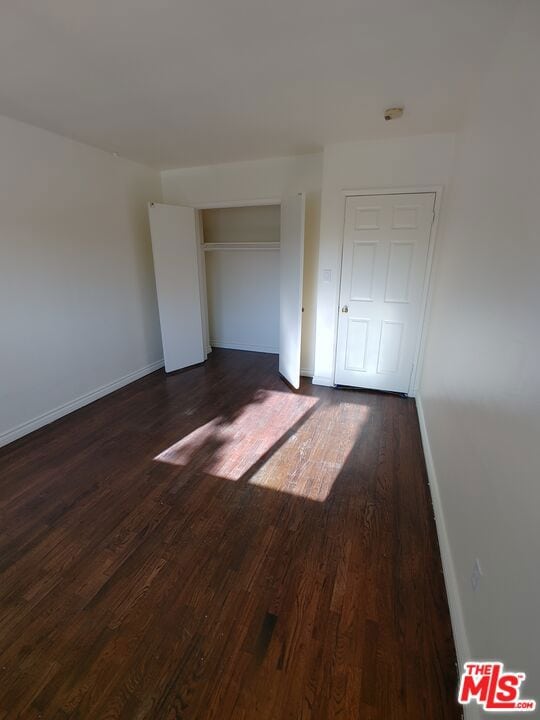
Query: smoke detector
{"x": 393, "y": 113}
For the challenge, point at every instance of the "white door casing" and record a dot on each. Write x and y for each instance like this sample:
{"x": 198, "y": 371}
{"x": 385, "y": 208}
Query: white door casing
{"x": 385, "y": 253}
{"x": 175, "y": 247}
{"x": 291, "y": 260}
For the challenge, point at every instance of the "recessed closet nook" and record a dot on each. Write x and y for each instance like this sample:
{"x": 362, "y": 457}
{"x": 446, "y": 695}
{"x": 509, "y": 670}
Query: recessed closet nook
{"x": 230, "y": 277}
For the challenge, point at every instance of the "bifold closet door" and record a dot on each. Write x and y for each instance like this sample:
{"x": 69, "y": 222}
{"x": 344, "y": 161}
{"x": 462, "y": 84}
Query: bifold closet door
{"x": 176, "y": 266}
{"x": 291, "y": 261}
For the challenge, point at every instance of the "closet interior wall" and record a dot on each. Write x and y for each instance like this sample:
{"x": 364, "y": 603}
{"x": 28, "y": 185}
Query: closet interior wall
{"x": 241, "y": 256}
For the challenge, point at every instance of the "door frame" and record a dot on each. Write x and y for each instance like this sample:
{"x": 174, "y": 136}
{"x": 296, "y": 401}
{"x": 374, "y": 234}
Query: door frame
{"x": 427, "y": 290}
{"x": 218, "y": 205}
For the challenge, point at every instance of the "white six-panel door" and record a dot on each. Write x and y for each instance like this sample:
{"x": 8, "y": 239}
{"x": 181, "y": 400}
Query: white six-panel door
{"x": 385, "y": 252}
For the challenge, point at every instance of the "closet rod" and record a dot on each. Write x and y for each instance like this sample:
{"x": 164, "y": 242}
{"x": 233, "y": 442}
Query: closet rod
{"x": 210, "y": 247}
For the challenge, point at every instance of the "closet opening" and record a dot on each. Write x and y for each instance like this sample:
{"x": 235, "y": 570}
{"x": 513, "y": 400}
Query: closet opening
{"x": 230, "y": 276}
{"x": 241, "y": 271}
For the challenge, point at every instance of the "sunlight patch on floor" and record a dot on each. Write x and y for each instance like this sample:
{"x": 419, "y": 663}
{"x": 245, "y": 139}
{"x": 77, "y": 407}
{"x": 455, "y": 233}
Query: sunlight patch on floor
{"x": 229, "y": 446}
{"x": 314, "y": 476}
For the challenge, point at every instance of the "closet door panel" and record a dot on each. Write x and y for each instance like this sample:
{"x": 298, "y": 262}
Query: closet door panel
{"x": 175, "y": 249}
{"x": 291, "y": 282}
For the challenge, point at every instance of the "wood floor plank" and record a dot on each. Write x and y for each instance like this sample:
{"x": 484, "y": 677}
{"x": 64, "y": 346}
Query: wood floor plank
{"x": 214, "y": 545}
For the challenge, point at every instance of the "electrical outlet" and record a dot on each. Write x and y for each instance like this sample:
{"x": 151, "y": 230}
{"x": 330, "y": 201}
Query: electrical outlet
{"x": 476, "y": 574}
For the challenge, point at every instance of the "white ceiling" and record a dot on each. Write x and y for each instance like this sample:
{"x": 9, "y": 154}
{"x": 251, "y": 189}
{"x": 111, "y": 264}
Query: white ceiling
{"x": 186, "y": 82}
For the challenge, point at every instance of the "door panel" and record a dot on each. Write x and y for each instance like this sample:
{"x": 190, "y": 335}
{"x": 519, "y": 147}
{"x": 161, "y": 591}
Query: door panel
{"x": 385, "y": 251}
{"x": 175, "y": 249}
{"x": 363, "y": 267}
{"x": 390, "y": 347}
{"x": 291, "y": 261}
{"x": 399, "y": 272}
{"x": 357, "y": 335}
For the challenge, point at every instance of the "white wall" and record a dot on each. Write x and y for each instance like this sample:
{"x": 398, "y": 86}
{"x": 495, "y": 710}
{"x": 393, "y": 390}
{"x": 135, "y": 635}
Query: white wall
{"x": 255, "y": 223}
{"x": 243, "y": 299}
{"x": 402, "y": 162}
{"x": 77, "y": 295}
{"x": 480, "y": 389}
{"x": 254, "y": 180}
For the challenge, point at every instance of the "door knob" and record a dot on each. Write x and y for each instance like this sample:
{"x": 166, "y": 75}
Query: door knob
{"x": 345, "y": 309}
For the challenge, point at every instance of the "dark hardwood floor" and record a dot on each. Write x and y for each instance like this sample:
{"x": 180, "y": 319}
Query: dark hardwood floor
{"x": 213, "y": 545}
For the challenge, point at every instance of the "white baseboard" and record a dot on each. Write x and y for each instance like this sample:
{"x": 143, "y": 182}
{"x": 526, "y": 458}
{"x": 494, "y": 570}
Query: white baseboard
{"x": 320, "y": 380}
{"x": 79, "y": 402}
{"x": 242, "y": 346}
{"x": 463, "y": 652}
{"x": 306, "y": 373}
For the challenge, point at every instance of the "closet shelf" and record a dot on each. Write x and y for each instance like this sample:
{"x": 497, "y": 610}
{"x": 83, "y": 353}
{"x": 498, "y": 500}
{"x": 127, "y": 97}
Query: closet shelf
{"x": 210, "y": 247}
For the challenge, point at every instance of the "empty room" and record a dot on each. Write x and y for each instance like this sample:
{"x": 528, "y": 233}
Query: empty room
{"x": 269, "y": 341}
